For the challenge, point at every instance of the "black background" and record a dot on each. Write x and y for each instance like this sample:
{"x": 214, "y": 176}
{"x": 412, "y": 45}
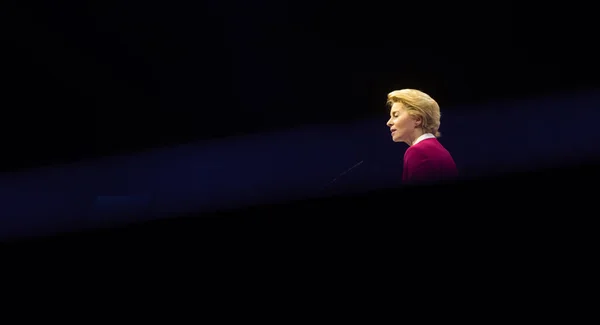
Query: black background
{"x": 85, "y": 80}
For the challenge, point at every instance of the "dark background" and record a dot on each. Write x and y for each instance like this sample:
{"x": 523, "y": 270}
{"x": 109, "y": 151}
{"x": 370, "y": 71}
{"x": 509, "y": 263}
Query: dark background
{"x": 272, "y": 95}
{"x": 85, "y": 80}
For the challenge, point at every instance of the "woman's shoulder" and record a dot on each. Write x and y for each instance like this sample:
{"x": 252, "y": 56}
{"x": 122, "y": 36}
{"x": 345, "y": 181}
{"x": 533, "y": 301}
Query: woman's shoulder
{"x": 425, "y": 148}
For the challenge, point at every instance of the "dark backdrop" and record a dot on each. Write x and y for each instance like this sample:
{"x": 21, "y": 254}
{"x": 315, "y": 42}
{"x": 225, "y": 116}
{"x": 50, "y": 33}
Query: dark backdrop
{"x": 86, "y": 80}
{"x": 119, "y": 108}
{"x": 300, "y": 163}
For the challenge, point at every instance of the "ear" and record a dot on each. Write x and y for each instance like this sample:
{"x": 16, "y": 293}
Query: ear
{"x": 418, "y": 121}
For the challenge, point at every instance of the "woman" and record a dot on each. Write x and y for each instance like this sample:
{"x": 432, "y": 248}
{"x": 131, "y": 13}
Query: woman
{"x": 415, "y": 120}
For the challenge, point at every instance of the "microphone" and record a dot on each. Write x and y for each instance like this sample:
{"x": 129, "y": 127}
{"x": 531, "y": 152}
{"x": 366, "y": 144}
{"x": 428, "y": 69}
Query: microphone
{"x": 344, "y": 173}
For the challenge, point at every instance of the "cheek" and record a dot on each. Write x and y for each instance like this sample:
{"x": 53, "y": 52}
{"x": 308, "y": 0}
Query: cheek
{"x": 407, "y": 124}
{"x": 401, "y": 124}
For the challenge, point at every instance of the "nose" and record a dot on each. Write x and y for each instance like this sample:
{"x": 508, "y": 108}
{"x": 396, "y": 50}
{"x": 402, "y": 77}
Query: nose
{"x": 389, "y": 123}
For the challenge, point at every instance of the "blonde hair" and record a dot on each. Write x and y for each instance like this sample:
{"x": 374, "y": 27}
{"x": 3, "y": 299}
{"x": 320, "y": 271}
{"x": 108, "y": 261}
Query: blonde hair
{"x": 418, "y": 104}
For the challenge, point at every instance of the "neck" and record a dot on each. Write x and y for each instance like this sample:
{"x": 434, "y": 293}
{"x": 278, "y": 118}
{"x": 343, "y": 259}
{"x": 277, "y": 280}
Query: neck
{"x": 416, "y": 134}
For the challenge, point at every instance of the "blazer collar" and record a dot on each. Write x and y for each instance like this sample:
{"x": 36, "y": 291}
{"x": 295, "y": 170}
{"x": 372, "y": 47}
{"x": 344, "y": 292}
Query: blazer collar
{"x": 423, "y": 137}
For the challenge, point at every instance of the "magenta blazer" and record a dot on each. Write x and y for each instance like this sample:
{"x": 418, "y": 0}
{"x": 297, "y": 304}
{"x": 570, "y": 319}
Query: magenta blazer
{"x": 428, "y": 161}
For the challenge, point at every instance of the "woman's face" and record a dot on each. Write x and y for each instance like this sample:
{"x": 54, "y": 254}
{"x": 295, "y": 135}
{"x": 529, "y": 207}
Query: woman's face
{"x": 402, "y": 125}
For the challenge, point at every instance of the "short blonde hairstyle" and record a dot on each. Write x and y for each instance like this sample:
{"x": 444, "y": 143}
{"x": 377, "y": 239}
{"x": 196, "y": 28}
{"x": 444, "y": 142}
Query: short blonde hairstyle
{"x": 418, "y": 104}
